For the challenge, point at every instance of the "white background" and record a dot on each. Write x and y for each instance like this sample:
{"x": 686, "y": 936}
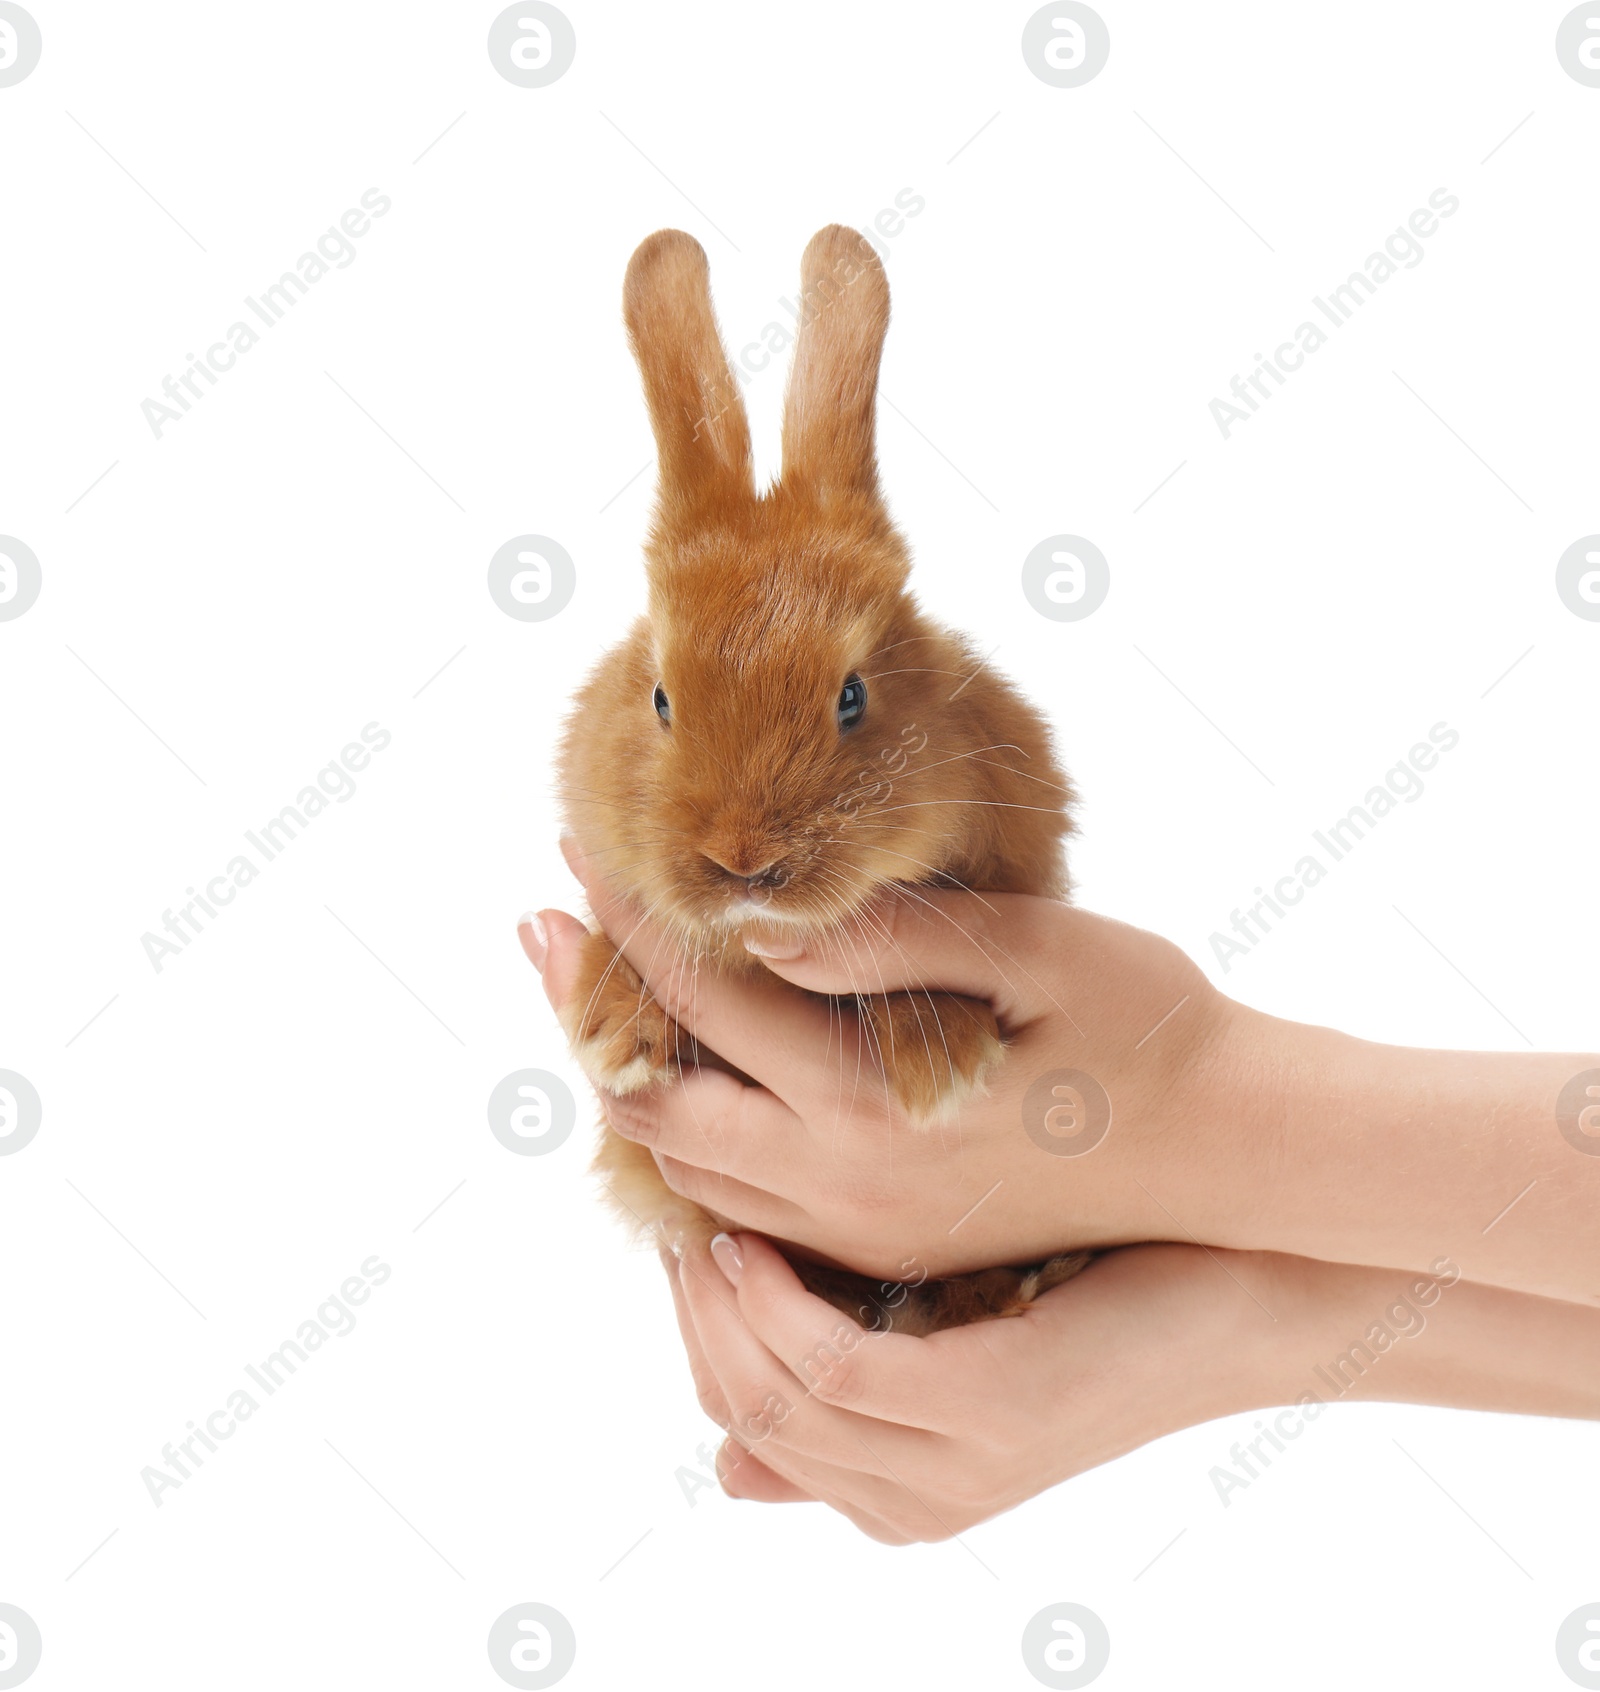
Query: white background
{"x": 275, "y": 1105}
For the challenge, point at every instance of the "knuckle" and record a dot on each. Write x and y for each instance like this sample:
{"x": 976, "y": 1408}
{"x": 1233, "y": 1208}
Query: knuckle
{"x": 708, "y": 1393}
{"x": 836, "y": 1377}
{"x": 744, "y": 1410}
{"x": 759, "y": 1414}
{"x": 673, "y": 992}
{"x": 632, "y": 1115}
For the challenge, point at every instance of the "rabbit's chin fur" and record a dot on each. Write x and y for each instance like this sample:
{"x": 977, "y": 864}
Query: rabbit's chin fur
{"x": 704, "y": 768}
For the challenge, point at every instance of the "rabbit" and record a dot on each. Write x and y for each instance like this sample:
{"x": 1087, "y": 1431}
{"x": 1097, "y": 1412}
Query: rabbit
{"x": 784, "y": 734}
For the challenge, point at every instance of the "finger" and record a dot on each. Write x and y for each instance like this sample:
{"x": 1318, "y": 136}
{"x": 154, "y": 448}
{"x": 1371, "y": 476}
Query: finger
{"x": 531, "y": 932}
{"x": 808, "y": 1478}
{"x": 708, "y": 1390}
{"x": 802, "y": 1049}
{"x": 770, "y": 1406}
{"x": 880, "y": 1503}
{"x": 744, "y": 1475}
{"x": 551, "y": 939}
{"x": 985, "y": 945}
{"x": 719, "y": 1125}
{"x": 732, "y": 1199}
{"x": 888, "y": 1378}
{"x": 741, "y": 1474}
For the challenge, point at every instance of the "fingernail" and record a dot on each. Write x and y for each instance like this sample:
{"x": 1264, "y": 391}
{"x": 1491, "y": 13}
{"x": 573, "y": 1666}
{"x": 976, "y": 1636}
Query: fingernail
{"x": 535, "y": 940}
{"x": 728, "y": 1257}
{"x": 785, "y": 950}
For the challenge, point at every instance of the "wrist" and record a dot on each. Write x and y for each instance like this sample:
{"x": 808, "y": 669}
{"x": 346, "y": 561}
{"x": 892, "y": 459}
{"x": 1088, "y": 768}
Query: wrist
{"x": 1212, "y": 1167}
{"x": 1309, "y": 1333}
{"x": 1353, "y": 1152}
{"x": 1187, "y": 1334}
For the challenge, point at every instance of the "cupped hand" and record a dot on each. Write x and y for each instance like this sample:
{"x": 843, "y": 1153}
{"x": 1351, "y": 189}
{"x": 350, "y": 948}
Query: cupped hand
{"x": 1101, "y": 1127}
{"x": 920, "y": 1439}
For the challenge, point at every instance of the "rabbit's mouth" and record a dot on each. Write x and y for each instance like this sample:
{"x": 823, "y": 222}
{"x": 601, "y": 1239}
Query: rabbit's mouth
{"x": 751, "y": 905}
{"x": 751, "y": 915}
{"x": 783, "y": 886}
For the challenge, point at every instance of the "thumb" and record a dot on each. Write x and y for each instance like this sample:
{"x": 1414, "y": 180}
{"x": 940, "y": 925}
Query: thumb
{"x": 551, "y": 940}
{"x": 985, "y": 945}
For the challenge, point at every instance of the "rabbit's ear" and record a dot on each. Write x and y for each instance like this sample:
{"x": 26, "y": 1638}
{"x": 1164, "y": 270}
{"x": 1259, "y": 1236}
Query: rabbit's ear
{"x": 702, "y": 436}
{"x": 829, "y": 412}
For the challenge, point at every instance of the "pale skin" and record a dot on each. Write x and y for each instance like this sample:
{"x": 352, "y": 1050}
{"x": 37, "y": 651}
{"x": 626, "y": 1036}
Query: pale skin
{"x": 1305, "y": 1181}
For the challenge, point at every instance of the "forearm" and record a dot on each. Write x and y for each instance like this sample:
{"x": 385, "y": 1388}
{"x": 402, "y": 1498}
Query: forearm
{"x": 1153, "y": 1339}
{"x": 1361, "y": 1153}
{"x": 1436, "y": 1338}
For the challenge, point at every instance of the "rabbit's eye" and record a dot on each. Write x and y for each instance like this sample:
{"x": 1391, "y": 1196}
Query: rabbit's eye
{"x": 659, "y": 700}
{"x": 852, "y": 702}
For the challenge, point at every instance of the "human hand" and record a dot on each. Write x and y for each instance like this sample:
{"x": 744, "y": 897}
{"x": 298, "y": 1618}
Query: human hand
{"x": 1216, "y": 1123}
{"x": 920, "y": 1439}
{"x": 817, "y": 1154}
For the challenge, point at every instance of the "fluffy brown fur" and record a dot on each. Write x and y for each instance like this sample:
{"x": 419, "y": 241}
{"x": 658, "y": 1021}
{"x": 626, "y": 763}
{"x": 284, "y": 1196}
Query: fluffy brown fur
{"x": 752, "y": 807}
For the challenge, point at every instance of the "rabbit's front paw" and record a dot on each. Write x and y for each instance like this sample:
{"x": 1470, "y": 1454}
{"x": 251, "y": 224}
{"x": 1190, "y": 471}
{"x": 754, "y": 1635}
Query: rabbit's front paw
{"x": 622, "y": 1038}
{"x": 935, "y": 1049}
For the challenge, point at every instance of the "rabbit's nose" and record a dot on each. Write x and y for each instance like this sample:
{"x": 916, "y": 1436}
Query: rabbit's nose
{"x": 769, "y": 875}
